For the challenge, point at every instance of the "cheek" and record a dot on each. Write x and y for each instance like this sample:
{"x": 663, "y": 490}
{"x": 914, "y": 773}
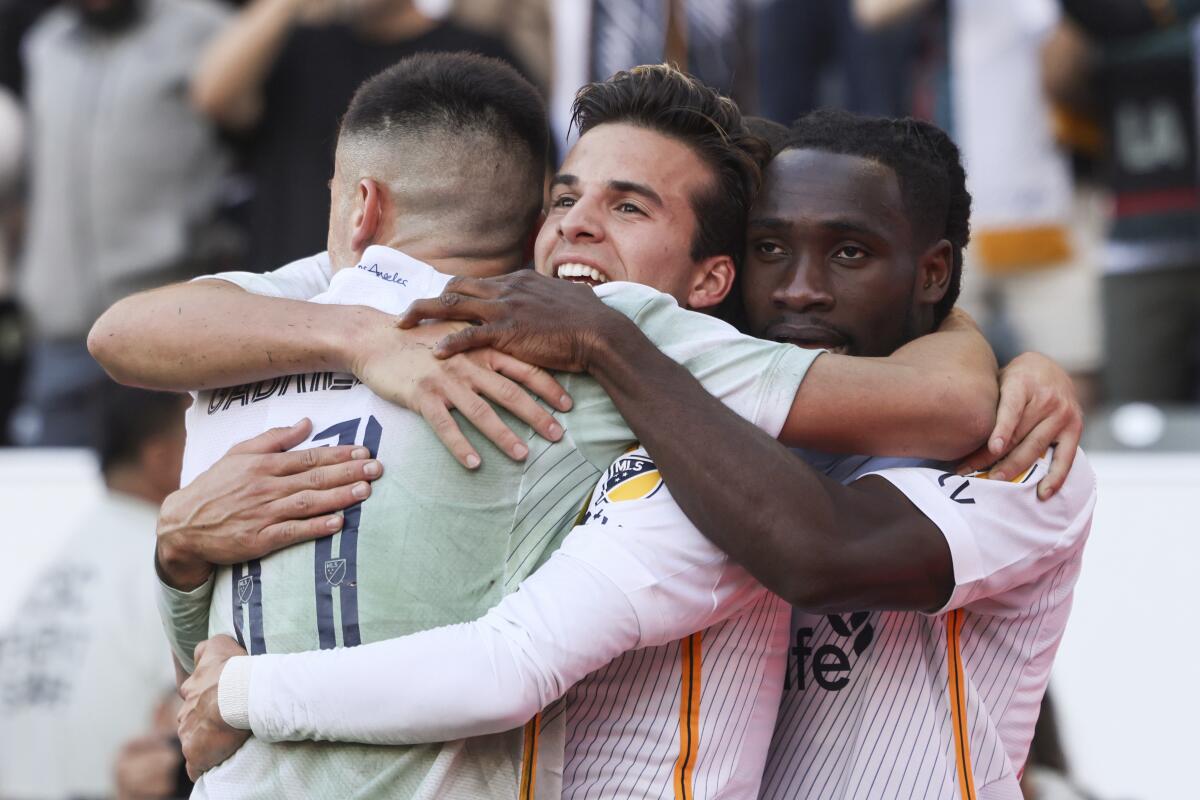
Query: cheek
{"x": 542, "y": 246}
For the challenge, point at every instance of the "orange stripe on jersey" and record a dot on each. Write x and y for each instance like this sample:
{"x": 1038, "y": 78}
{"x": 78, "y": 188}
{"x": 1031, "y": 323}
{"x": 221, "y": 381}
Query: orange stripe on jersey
{"x": 529, "y": 758}
{"x": 689, "y": 715}
{"x": 958, "y": 705}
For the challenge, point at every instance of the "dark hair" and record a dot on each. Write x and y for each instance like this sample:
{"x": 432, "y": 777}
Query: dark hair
{"x": 447, "y": 93}
{"x": 131, "y": 417}
{"x": 665, "y": 100}
{"x": 927, "y": 165}
{"x": 770, "y": 131}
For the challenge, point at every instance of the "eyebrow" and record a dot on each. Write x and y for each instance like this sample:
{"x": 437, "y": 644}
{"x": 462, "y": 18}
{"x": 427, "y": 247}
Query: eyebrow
{"x": 630, "y": 187}
{"x": 839, "y": 225}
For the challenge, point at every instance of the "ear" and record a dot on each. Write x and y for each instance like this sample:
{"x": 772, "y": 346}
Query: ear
{"x": 933, "y": 273}
{"x": 368, "y": 213}
{"x": 713, "y": 280}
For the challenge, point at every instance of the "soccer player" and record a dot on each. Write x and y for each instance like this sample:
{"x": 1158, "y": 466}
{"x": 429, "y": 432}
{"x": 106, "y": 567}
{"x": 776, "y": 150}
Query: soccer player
{"x": 328, "y": 602}
{"x": 991, "y": 564}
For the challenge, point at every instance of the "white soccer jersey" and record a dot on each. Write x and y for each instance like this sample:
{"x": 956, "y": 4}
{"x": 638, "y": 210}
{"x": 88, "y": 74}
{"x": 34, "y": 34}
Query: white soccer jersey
{"x": 939, "y": 706}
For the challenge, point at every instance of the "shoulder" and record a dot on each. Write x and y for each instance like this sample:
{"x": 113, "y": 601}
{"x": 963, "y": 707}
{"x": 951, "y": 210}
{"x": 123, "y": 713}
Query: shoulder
{"x": 51, "y": 27}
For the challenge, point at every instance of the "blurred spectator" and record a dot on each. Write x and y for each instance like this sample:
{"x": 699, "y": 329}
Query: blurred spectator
{"x": 1143, "y": 84}
{"x": 812, "y": 55}
{"x": 16, "y": 17}
{"x": 523, "y": 26}
{"x": 286, "y": 70}
{"x": 1030, "y": 277}
{"x": 1047, "y": 775}
{"x": 595, "y": 38}
{"x": 124, "y": 182}
{"x": 84, "y": 664}
{"x": 12, "y": 148}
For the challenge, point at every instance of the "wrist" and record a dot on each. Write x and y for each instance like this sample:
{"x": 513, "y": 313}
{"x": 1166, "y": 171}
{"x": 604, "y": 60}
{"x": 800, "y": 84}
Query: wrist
{"x": 233, "y": 692}
{"x": 349, "y": 335}
{"x": 615, "y": 341}
{"x": 176, "y": 566}
{"x": 178, "y": 570}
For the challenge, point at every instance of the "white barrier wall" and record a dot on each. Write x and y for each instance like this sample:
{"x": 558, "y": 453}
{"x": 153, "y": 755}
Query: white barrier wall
{"x": 1127, "y": 679}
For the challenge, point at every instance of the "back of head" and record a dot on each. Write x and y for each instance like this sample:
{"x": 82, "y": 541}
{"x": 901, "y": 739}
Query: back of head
{"x": 665, "y": 100}
{"x": 131, "y": 418}
{"x": 927, "y": 166}
{"x": 459, "y": 141}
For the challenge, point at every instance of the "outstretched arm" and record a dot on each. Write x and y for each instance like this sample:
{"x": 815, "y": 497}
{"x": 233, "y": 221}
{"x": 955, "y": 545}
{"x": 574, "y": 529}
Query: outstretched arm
{"x": 213, "y": 333}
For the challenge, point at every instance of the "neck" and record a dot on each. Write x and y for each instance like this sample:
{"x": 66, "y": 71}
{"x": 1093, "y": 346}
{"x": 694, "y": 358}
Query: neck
{"x": 393, "y": 22}
{"x": 130, "y": 480}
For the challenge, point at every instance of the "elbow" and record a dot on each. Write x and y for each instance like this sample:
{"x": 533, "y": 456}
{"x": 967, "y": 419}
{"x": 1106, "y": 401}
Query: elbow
{"x": 108, "y": 343}
{"x": 206, "y": 100}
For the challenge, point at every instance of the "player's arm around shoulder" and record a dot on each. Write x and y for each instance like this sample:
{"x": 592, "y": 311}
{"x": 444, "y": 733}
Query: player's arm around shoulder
{"x": 1001, "y": 535}
{"x": 674, "y": 578}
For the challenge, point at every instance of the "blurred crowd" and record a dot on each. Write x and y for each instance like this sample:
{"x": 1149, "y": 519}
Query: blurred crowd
{"x": 144, "y": 142}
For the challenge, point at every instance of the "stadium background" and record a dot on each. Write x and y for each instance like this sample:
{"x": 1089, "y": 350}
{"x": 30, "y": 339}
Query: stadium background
{"x": 1078, "y": 125}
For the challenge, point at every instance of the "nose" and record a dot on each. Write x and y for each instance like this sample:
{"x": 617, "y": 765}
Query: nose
{"x": 581, "y": 222}
{"x": 804, "y": 287}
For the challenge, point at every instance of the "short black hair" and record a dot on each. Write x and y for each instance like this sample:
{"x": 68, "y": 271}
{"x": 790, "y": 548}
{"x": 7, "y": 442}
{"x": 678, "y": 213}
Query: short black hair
{"x": 444, "y": 93}
{"x": 131, "y": 417}
{"x": 928, "y": 168}
{"x": 666, "y": 100}
{"x": 770, "y": 131}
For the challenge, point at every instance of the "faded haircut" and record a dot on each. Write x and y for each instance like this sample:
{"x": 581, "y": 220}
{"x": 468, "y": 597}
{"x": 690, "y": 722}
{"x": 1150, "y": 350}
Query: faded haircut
{"x": 459, "y": 139}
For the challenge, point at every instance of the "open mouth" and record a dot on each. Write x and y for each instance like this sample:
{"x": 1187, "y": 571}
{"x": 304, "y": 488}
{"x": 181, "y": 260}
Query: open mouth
{"x": 580, "y": 273}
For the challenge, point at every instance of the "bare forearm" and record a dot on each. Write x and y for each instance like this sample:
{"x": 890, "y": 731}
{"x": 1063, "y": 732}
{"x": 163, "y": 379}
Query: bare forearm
{"x": 212, "y": 333}
{"x": 817, "y": 544}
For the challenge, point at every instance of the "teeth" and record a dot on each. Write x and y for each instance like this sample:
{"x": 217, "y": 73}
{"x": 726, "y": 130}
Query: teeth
{"x": 572, "y": 270}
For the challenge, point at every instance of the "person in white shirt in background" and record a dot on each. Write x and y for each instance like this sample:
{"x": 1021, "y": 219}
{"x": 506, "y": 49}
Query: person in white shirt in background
{"x": 83, "y": 664}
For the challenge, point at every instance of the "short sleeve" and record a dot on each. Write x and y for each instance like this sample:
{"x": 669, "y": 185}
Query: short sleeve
{"x": 300, "y": 280}
{"x": 1002, "y": 538}
{"x": 757, "y": 379}
{"x": 637, "y": 536}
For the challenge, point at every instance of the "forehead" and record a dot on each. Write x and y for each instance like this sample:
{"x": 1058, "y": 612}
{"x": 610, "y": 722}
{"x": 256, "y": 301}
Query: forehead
{"x": 816, "y": 187}
{"x": 629, "y": 153}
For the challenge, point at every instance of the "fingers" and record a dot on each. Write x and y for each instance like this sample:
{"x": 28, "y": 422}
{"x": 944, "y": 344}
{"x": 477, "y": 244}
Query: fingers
{"x": 1013, "y": 400}
{"x": 1027, "y": 451}
{"x": 980, "y": 460}
{"x": 467, "y": 339}
{"x": 276, "y": 440}
{"x": 518, "y": 402}
{"x": 332, "y": 475}
{"x": 535, "y": 379}
{"x": 310, "y": 458}
{"x": 1060, "y": 463}
{"x": 448, "y": 306}
{"x": 198, "y": 654}
{"x": 309, "y": 503}
{"x": 446, "y": 429}
{"x": 293, "y": 531}
{"x": 481, "y": 414}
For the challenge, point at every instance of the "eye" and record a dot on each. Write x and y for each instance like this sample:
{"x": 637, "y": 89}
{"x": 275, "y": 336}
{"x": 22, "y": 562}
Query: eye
{"x": 629, "y": 208}
{"x": 562, "y": 201}
{"x": 850, "y": 252}
{"x": 768, "y": 248}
